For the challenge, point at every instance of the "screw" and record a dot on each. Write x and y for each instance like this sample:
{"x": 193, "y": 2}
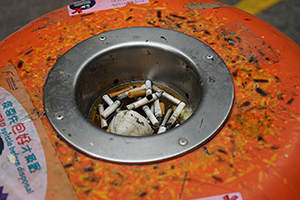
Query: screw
{"x": 102, "y": 38}
{"x": 182, "y": 141}
{"x": 209, "y": 57}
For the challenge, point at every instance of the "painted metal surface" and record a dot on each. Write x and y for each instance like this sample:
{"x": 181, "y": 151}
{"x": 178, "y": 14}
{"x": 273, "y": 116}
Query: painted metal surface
{"x": 256, "y": 152}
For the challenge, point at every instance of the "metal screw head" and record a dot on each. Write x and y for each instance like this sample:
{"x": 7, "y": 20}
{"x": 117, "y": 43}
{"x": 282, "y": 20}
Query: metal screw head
{"x": 182, "y": 141}
{"x": 102, "y": 38}
{"x": 209, "y": 57}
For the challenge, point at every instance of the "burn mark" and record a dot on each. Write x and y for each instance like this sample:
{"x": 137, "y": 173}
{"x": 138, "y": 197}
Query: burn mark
{"x": 143, "y": 194}
{"x": 158, "y": 13}
{"x": 290, "y": 101}
{"x": 222, "y": 151}
{"x": 68, "y": 165}
{"x": 218, "y": 179}
{"x": 178, "y": 25}
{"x": 28, "y": 52}
{"x": 261, "y": 92}
{"x": 234, "y": 74}
{"x": 20, "y": 64}
{"x": 129, "y": 18}
{"x": 139, "y": 122}
{"x": 277, "y": 79}
{"x": 176, "y": 16}
{"x": 207, "y": 32}
{"x": 260, "y": 80}
{"x": 246, "y": 103}
{"x": 156, "y": 187}
{"x": 275, "y": 147}
{"x": 279, "y": 97}
{"x": 155, "y": 167}
{"x": 260, "y": 138}
{"x": 88, "y": 169}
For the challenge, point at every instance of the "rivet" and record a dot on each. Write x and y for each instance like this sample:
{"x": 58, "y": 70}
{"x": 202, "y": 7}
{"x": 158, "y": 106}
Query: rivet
{"x": 209, "y": 57}
{"x": 102, "y": 38}
{"x": 59, "y": 116}
{"x": 182, "y": 141}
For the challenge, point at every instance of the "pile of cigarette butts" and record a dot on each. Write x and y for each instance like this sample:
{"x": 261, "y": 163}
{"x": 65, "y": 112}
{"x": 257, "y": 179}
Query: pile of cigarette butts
{"x": 131, "y": 123}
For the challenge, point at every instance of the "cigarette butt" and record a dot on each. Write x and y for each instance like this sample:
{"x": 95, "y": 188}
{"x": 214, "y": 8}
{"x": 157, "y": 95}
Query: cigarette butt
{"x": 110, "y": 109}
{"x": 142, "y": 101}
{"x": 139, "y": 93}
{"x": 107, "y": 99}
{"x": 150, "y": 115}
{"x": 148, "y": 89}
{"x": 113, "y": 94}
{"x": 124, "y": 94}
{"x": 166, "y": 95}
{"x": 175, "y": 115}
{"x": 161, "y": 129}
{"x": 162, "y": 107}
{"x": 102, "y": 121}
{"x": 166, "y": 117}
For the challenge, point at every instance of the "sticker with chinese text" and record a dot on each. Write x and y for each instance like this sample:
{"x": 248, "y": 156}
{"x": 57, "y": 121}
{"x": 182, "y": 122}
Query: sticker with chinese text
{"x": 22, "y": 156}
{"x": 230, "y": 196}
{"x": 87, "y": 6}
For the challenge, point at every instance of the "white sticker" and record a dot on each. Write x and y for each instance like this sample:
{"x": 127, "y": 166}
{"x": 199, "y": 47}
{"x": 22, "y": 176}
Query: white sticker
{"x": 22, "y": 159}
{"x": 87, "y": 6}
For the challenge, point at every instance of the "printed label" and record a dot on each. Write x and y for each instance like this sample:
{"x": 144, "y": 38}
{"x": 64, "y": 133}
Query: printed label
{"x": 22, "y": 159}
{"x": 87, "y": 6}
{"x": 230, "y": 196}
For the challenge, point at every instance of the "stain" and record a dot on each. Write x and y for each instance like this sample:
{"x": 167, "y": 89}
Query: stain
{"x": 200, "y": 6}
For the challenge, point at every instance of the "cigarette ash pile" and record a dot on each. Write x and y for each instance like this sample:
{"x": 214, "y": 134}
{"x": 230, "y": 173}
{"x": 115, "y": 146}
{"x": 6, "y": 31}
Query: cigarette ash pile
{"x": 134, "y": 121}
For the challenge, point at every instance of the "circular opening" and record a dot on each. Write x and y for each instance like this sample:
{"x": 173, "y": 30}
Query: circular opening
{"x": 134, "y": 64}
{"x": 170, "y": 59}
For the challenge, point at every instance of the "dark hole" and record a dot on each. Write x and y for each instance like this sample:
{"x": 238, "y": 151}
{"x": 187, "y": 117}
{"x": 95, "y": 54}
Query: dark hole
{"x": 116, "y": 81}
{"x": 187, "y": 95}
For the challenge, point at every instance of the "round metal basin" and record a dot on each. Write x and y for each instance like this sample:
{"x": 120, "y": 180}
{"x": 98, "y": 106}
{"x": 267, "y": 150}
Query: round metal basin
{"x": 171, "y": 58}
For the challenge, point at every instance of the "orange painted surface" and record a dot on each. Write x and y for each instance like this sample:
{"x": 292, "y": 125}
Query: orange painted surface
{"x": 256, "y": 152}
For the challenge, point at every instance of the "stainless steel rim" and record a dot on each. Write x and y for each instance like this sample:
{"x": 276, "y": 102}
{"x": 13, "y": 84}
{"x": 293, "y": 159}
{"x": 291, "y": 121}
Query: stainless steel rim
{"x": 61, "y": 100}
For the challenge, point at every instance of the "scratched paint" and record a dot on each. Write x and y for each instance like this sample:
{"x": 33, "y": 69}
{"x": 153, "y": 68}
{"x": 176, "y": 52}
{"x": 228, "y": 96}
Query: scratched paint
{"x": 253, "y": 141}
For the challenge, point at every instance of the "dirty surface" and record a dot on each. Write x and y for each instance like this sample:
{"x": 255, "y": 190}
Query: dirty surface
{"x": 256, "y": 151}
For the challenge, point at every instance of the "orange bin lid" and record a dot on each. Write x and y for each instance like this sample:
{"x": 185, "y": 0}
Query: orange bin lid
{"x": 255, "y": 153}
